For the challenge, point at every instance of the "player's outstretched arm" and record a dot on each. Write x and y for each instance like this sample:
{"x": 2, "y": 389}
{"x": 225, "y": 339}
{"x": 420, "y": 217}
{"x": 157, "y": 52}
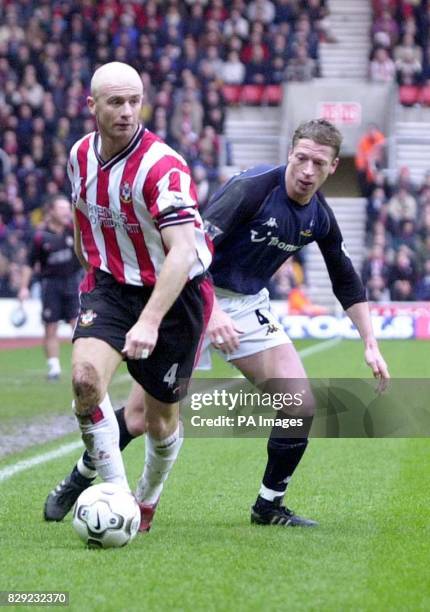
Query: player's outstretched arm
{"x": 222, "y": 331}
{"x": 24, "y": 291}
{"x": 360, "y": 316}
{"x": 179, "y": 241}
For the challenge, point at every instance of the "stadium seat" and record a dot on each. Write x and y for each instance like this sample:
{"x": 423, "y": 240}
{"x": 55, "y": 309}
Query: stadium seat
{"x": 408, "y": 94}
{"x": 232, "y": 93}
{"x": 424, "y": 96}
{"x": 252, "y": 94}
{"x": 272, "y": 94}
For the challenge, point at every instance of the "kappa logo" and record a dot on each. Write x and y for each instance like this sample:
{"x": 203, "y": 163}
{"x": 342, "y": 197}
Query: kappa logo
{"x": 271, "y": 222}
{"x": 87, "y": 318}
{"x": 125, "y": 193}
{"x": 272, "y": 329}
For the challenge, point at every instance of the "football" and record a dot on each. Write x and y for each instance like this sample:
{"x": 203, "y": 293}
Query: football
{"x": 106, "y": 516}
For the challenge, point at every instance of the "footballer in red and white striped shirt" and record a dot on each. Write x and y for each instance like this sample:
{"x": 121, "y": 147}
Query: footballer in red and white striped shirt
{"x": 137, "y": 225}
{"x": 123, "y": 203}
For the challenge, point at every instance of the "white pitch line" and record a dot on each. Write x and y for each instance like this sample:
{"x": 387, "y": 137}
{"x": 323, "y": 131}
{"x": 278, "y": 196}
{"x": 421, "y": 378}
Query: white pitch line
{"x": 322, "y": 346}
{"x": 65, "y": 449}
{"x": 27, "y": 464}
{"x": 311, "y": 350}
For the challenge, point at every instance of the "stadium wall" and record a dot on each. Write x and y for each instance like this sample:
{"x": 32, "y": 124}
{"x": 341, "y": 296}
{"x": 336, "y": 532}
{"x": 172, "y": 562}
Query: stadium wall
{"x": 351, "y": 105}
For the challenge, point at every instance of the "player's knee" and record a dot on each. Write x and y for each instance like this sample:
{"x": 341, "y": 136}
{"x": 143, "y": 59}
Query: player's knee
{"x": 303, "y": 406}
{"x": 136, "y": 424}
{"x": 161, "y": 426}
{"x": 86, "y": 387}
{"x": 307, "y": 408}
{"x": 134, "y": 415}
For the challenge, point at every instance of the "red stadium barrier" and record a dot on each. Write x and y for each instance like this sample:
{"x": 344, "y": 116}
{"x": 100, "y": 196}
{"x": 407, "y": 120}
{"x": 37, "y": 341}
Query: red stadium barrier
{"x": 424, "y": 96}
{"x": 253, "y": 94}
{"x": 409, "y": 94}
{"x": 232, "y": 93}
{"x": 272, "y": 95}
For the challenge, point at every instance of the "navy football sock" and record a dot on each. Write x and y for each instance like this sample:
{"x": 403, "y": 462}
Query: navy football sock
{"x": 284, "y": 455}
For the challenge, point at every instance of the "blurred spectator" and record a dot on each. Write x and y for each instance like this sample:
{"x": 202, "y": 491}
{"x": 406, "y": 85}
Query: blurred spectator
{"x": 376, "y": 207}
{"x": 408, "y": 68}
{"x": 299, "y": 303}
{"x": 319, "y": 16}
{"x": 369, "y": 151}
{"x": 402, "y": 277}
{"x": 233, "y": 70}
{"x": 201, "y": 181}
{"x": 423, "y": 285}
{"x": 408, "y": 47}
{"x": 261, "y": 10}
{"x": 286, "y": 11}
{"x": 257, "y": 69}
{"x": 236, "y": 24}
{"x": 375, "y": 265}
{"x": 385, "y": 30}
{"x": 406, "y": 236}
{"x": 377, "y": 290}
{"x": 382, "y": 67}
{"x": 402, "y": 206}
{"x": 301, "y": 67}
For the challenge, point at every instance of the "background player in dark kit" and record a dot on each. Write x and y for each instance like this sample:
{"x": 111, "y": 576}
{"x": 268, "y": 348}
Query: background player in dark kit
{"x": 52, "y": 256}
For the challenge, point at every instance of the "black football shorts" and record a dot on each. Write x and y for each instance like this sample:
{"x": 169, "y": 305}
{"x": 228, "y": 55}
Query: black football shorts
{"x": 110, "y": 309}
{"x": 60, "y": 298}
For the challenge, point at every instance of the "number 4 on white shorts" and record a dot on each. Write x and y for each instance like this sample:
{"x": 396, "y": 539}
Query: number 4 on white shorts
{"x": 170, "y": 376}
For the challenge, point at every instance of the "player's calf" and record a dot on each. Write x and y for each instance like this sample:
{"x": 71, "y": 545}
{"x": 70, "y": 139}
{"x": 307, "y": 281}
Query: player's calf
{"x": 86, "y": 388}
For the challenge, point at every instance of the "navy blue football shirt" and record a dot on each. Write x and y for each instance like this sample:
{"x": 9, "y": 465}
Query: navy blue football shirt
{"x": 256, "y": 226}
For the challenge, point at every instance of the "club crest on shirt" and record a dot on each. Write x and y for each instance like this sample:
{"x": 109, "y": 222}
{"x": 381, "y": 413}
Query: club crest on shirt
{"x": 307, "y": 233}
{"x": 125, "y": 193}
{"x": 86, "y": 318}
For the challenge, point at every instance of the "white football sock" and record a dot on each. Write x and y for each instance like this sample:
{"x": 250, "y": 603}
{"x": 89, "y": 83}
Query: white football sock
{"x": 54, "y": 366}
{"x": 84, "y": 470}
{"x": 160, "y": 456}
{"x": 101, "y": 437}
{"x": 270, "y": 494}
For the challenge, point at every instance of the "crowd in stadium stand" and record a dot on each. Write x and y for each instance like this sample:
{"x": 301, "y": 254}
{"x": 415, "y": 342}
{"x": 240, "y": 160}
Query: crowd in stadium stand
{"x": 397, "y": 266}
{"x": 401, "y": 42}
{"x": 185, "y": 52}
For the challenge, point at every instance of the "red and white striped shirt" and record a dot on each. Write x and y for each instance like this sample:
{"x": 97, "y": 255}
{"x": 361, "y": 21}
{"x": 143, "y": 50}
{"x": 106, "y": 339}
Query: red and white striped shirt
{"x": 122, "y": 204}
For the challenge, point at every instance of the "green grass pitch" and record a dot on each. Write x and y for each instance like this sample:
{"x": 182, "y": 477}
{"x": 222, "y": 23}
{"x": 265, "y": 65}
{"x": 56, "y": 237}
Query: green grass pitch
{"x": 370, "y": 552}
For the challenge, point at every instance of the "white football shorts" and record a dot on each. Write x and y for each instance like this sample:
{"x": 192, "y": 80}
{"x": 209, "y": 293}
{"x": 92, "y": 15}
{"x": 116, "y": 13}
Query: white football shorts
{"x": 252, "y": 315}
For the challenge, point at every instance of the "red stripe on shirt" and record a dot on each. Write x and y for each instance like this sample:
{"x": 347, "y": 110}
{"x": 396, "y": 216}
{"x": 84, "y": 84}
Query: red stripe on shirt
{"x": 93, "y": 254}
{"x": 113, "y": 253}
{"x": 174, "y": 181}
{"x": 84, "y": 224}
{"x": 155, "y": 174}
{"x": 147, "y": 270}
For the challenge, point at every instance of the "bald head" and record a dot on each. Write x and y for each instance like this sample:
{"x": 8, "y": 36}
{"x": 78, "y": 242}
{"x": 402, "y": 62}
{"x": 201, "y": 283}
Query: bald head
{"x": 115, "y": 75}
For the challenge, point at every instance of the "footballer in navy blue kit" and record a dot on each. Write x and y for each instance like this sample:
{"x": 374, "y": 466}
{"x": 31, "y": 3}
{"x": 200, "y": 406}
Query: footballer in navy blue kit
{"x": 257, "y": 220}
{"x": 52, "y": 255}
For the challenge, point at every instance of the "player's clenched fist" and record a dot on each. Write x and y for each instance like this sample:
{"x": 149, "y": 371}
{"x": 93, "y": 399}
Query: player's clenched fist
{"x": 140, "y": 340}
